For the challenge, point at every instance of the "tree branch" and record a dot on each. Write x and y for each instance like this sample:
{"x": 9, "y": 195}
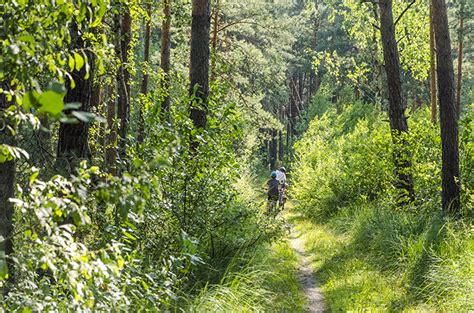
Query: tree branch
{"x": 403, "y": 13}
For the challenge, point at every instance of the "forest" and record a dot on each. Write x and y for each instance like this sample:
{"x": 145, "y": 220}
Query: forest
{"x": 139, "y": 140}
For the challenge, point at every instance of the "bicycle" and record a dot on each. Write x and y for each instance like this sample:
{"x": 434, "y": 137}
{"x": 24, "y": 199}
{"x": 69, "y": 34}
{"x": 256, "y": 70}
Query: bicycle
{"x": 272, "y": 205}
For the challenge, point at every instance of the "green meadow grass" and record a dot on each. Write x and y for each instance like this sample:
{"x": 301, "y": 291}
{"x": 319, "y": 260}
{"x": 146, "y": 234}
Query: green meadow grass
{"x": 266, "y": 283}
{"x": 366, "y": 264}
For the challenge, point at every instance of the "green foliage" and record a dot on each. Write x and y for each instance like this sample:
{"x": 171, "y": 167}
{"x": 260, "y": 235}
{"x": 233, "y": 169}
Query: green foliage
{"x": 341, "y": 159}
{"x": 83, "y": 244}
{"x": 343, "y": 180}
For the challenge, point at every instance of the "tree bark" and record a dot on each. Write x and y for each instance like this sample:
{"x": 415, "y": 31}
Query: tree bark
{"x": 111, "y": 138}
{"x": 397, "y": 103}
{"x": 433, "y": 87}
{"x": 144, "y": 85}
{"x": 123, "y": 79}
{"x": 7, "y": 191}
{"x": 273, "y": 149}
{"x": 165, "y": 57}
{"x": 199, "y": 67}
{"x": 215, "y": 31}
{"x": 73, "y": 138}
{"x": 447, "y": 110}
{"x": 281, "y": 146}
{"x": 460, "y": 56}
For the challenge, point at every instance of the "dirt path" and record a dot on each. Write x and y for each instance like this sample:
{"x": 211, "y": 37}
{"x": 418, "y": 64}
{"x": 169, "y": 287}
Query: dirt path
{"x": 306, "y": 276}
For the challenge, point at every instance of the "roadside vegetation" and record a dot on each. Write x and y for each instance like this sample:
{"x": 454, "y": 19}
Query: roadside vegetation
{"x": 367, "y": 253}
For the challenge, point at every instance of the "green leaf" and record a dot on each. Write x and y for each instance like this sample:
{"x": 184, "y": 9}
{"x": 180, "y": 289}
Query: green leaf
{"x": 33, "y": 177}
{"x": 72, "y": 106}
{"x": 79, "y": 60}
{"x": 30, "y": 100}
{"x": 51, "y": 102}
{"x": 86, "y": 117}
{"x": 120, "y": 262}
{"x": 130, "y": 236}
{"x": 71, "y": 62}
{"x": 3, "y": 264}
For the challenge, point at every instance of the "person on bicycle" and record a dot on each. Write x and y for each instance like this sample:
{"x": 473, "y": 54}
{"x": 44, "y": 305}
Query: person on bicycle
{"x": 273, "y": 189}
{"x": 281, "y": 177}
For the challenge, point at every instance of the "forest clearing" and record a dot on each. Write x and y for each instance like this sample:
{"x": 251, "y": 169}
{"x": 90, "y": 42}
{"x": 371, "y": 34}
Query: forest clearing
{"x": 237, "y": 156}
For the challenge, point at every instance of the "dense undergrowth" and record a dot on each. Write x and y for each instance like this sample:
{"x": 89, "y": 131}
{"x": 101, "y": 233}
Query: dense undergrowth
{"x": 370, "y": 254}
{"x": 169, "y": 224}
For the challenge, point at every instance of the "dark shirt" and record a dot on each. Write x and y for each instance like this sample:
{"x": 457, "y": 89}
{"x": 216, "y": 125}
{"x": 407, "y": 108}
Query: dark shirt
{"x": 273, "y": 187}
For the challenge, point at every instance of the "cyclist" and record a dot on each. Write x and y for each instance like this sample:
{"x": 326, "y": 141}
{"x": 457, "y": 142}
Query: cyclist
{"x": 281, "y": 177}
{"x": 273, "y": 192}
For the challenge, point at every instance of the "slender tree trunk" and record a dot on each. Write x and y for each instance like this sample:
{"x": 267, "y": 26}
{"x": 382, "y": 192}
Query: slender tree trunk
{"x": 433, "y": 87}
{"x": 397, "y": 102}
{"x": 199, "y": 67}
{"x": 447, "y": 110}
{"x": 281, "y": 146}
{"x": 215, "y": 31}
{"x": 460, "y": 56}
{"x": 165, "y": 57}
{"x": 123, "y": 78}
{"x": 111, "y": 138}
{"x": 7, "y": 191}
{"x": 288, "y": 134}
{"x": 273, "y": 149}
{"x": 144, "y": 86}
{"x": 73, "y": 138}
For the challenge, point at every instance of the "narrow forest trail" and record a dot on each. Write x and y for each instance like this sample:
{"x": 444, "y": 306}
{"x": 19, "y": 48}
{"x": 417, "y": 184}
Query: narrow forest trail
{"x": 308, "y": 282}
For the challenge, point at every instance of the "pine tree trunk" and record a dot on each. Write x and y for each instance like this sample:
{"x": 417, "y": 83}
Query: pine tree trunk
{"x": 7, "y": 191}
{"x": 73, "y": 138}
{"x": 144, "y": 86}
{"x": 433, "y": 87}
{"x": 199, "y": 67}
{"x": 215, "y": 30}
{"x": 460, "y": 56}
{"x": 447, "y": 110}
{"x": 281, "y": 146}
{"x": 397, "y": 103}
{"x": 165, "y": 57}
{"x": 123, "y": 79}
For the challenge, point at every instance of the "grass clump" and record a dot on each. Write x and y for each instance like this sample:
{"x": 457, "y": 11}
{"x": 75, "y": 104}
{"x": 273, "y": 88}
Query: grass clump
{"x": 261, "y": 280}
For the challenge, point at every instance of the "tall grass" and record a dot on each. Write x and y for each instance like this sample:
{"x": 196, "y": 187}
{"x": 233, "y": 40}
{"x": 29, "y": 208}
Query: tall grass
{"x": 261, "y": 282}
{"x": 381, "y": 256}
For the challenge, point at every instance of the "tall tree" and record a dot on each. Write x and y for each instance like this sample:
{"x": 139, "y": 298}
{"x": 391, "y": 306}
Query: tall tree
{"x": 273, "y": 149}
{"x": 460, "y": 56}
{"x": 433, "y": 87}
{"x": 447, "y": 109}
{"x": 123, "y": 77}
{"x": 73, "y": 138}
{"x": 397, "y": 101}
{"x": 146, "y": 59}
{"x": 199, "y": 66}
{"x": 7, "y": 188}
{"x": 215, "y": 33}
{"x": 165, "y": 55}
